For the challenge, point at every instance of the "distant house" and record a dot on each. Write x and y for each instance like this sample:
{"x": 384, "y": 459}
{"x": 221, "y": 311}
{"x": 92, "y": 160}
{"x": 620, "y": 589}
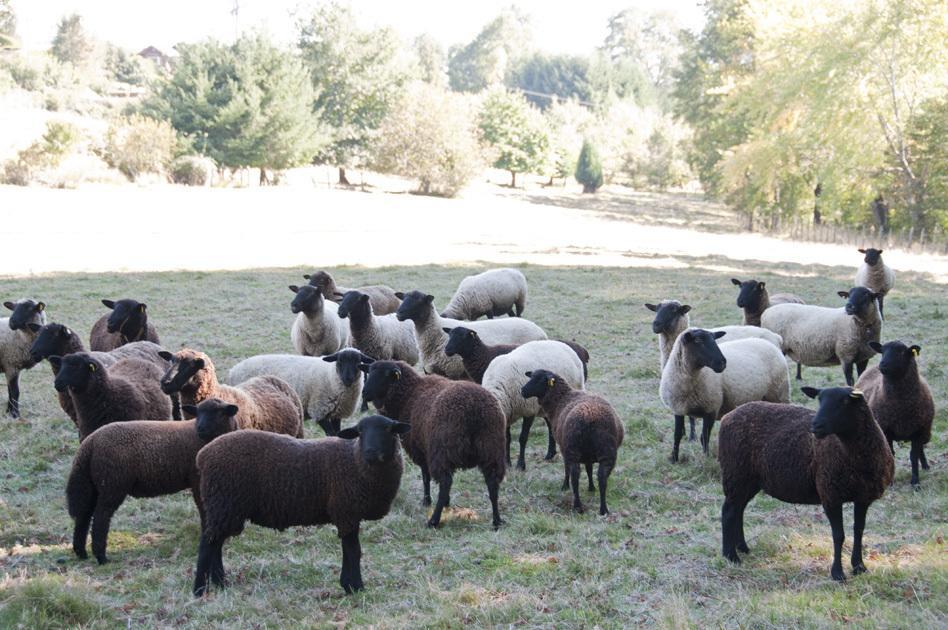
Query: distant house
{"x": 160, "y": 59}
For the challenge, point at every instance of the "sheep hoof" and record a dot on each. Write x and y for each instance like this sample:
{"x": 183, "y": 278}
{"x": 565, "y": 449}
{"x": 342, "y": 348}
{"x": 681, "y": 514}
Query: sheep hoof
{"x": 565, "y": 486}
{"x": 433, "y": 523}
{"x": 732, "y": 556}
{"x": 859, "y": 569}
{"x": 603, "y": 511}
{"x": 579, "y": 509}
{"x": 498, "y": 523}
{"x": 743, "y": 547}
{"x": 837, "y": 574}
{"x": 80, "y": 553}
{"x": 200, "y": 591}
{"x": 549, "y": 455}
{"x": 915, "y": 486}
{"x": 591, "y": 488}
{"x": 521, "y": 465}
{"x": 101, "y": 558}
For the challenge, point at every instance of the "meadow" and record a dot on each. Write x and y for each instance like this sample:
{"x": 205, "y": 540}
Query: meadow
{"x": 654, "y": 560}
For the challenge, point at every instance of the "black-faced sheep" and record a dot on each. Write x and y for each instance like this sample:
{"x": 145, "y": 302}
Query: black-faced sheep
{"x": 379, "y": 336}
{"x": 455, "y": 426}
{"x": 875, "y": 275}
{"x": 382, "y": 298}
{"x": 16, "y": 337}
{"x": 317, "y": 329}
{"x": 278, "y": 482}
{"x": 586, "y": 426}
{"x": 127, "y": 322}
{"x": 492, "y": 293}
{"x": 829, "y": 457}
{"x": 141, "y": 459}
{"x": 900, "y": 399}
{"x": 755, "y": 299}
{"x": 266, "y": 403}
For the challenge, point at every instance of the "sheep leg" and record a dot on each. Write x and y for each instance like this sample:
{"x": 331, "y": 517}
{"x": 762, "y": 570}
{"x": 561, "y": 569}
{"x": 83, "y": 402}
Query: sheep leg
{"x": 589, "y": 476}
{"x": 426, "y": 482}
{"x": 835, "y": 515}
{"x": 444, "y": 491}
{"x": 13, "y": 394}
{"x": 351, "y": 577}
{"x": 510, "y": 312}
{"x": 605, "y": 469}
{"x": 524, "y": 436}
{"x": 550, "y": 442}
{"x": 921, "y": 457}
{"x": 913, "y": 457}
{"x": 861, "y": 367}
{"x": 799, "y": 371}
{"x": 205, "y": 551}
{"x": 493, "y": 487}
{"x": 692, "y": 437}
{"x": 80, "y": 532}
{"x": 859, "y": 524}
{"x": 101, "y": 520}
{"x": 741, "y": 541}
{"x": 881, "y": 311}
{"x": 848, "y": 372}
{"x": 508, "y": 445}
{"x": 708, "y": 422}
{"x": 679, "y": 433}
{"x": 574, "y": 482}
{"x": 565, "y": 485}
{"x": 730, "y": 513}
{"x": 217, "y": 564}
{"x": 490, "y": 314}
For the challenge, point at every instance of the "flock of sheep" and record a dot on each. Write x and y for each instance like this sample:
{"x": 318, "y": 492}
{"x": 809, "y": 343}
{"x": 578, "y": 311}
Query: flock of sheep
{"x": 240, "y": 451}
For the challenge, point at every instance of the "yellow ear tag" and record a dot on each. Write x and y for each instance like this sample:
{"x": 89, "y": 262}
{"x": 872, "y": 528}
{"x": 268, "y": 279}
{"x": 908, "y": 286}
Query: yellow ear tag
{"x": 550, "y": 383}
{"x": 914, "y": 352}
{"x": 398, "y": 375}
{"x": 141, "y": 308}
{"x": 856, "y": 393}
{"x": 92, "y": 367}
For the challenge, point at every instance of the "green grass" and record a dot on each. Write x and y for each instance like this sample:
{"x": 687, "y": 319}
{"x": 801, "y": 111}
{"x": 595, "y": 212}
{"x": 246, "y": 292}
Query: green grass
{"x": 654, "y": 560}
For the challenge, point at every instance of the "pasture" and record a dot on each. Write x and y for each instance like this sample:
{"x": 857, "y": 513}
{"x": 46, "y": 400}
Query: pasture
{"x": 654, "y": 560}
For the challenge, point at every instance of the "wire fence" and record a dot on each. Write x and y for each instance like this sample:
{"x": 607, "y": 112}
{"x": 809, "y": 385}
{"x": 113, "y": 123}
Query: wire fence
{"x": 907, "y": 239}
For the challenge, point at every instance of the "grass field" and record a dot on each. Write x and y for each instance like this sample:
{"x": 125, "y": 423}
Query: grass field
{"x": 654, "y": 560}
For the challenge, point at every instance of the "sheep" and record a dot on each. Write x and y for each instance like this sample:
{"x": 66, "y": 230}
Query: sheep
{"x": 493, "y": 293}
{"x": 820, "y": 336}
{"x": 875, "y": 275}
{"x": 381, "y": 297}
{"x": 266, "y": 403}
{"x": 754, "y": 299}
{"x": 127, "y": 322}
{"x": 138, "y": 458}
{"x": 429, "y": 331}
{"x": 755, "y": 370}
{"x": 128, "y": 389}
{"x": 828, "y": 457}
{"x": 455, "y": 425}
{"x": 900, "y": 399}
{"x": 278, "y": 482}
{"x": 587, "y": 429}
{"x": 16, "y": 337}
{"x": 317, "y": 330}
{"x": 379, "y": 336}
{"x": 329, "y": 387}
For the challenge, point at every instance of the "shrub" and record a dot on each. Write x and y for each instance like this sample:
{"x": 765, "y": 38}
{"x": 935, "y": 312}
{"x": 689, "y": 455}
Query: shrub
{"x": 136, "y": 144}
{"x": 192, "y": 170}
{"x": 24, "y": 74}
{"x": 589, "y": 169}
{"x": 47, "y": 152}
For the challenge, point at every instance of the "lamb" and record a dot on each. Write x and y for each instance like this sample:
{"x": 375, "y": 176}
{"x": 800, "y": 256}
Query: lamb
{"x": 379, "y": 336}
{"x": 828, "y": 457}
{"x": 381, "y": 297}
{"x": 277, "y": 482}
{"x": 317, "y": 330}
{"x": 755, "y": 370}
{"x": 329, "y": 387}
{"x": 587, "y": 429}
{"x": 138, "y": 458}
{"x": 429, "y": 331}
{"x": 755, "y": 299}
{"x": 266, "y": 403}
{"x": 16, "y": 337}
{"x": 455, "y": 426}
{"x": 493, "y": 293}
{"x": 900, "y": 399}
{"x": 129, "y": 389}
{"x": 127, "y": 322}
{"x": 875, "y": 275}
{"x": 820, "y": 336}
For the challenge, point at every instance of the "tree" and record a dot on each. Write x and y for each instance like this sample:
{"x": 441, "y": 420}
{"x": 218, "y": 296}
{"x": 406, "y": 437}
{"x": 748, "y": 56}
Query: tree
{"x": 432, "y": 61}
{"x": 484, "y": 62}
{"x": 540, "y": 74}
{"x": 7, "y": 25}
{"x": 71, "y": 44}
{"x": 124, "y": 67}
{"x": 357, "y": 75}
{"x": 589, "y": 169}
{"x": 647, "y": 39}
{"x": 515, "y": 133}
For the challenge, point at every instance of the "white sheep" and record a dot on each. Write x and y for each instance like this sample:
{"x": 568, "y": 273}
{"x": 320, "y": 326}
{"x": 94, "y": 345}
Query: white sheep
{"x": 317, "y": 329}
{"x": 495, "y": 292}
{"x": 429, "y": 331}
{"x": 16, "y": 337}
{"x": 704, "y": 379}
{"x": 875, "y": 275}
{"x": 379, "y": 336}
{"x": 821, "y": 336}
{"x": 329, "y": 387}
{"x": 506, "y": 376}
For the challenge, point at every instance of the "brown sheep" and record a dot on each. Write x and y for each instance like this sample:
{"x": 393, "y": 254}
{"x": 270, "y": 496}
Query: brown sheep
{"x": 381, "y": 297}
{"x": 127, "y": 322}
{"x": 266, "y": 403}
{"x": 828, "y": 457}
{"x": 142, "y": 459}
{"x": 754, "y": 299}
{"x": 456, "y": 425}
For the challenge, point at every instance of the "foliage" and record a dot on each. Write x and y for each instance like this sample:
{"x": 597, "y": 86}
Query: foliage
{"x": 515, "y": 133}
{"x": 428, "y": 136}
{"x": 125, "y": 67}
{"x": 588, "y": 168}
{"x": 485, "y": 61}
{"x": 927, "y": 146}
{"x": 192, "y": 170}
{"x": 432, "y": 61}
{"x": 137, "y": 144}
{"x": 647, "y": 40}
{"x": 7, "y": 18}
{"x": 47, "y": 152}
{"x": 541, "y": 74}
{"x": 71, "y": 43}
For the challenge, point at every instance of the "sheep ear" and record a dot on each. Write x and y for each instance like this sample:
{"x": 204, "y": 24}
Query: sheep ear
{"x": 400, "y": 295}
{"x": 331, "y": 358}
{"x": 880, "y": 251}
{"x": 761, "y": 285}
{"x": 364, "y": 298}
{"x": 109, "y": 303}
{"x": 164, "y": 354}
{"x": 306, "y": 276}
{"x": 687, "y": 337}
{"x": 92, "y": 367}
{"x": 34, "y": 327}
{"x": 651, "y": 307}
{"x": 231, "y": 410}
{"x": 916, "y": 350}
{"x": 56, "y": 361}
{"x": 429, "y": 299}
{"x": 685, "y": 308}
{"x": 861, "y": 250}
{"x": 350, "y": 433}
{"x": 65, "y": 332}
{"x": 364, "y": 367}
{"x": 294, "y": 288}
{"x": 810, "y": 392}
{"x": 875, "y": 345}
{"x": 447, "y": 330}
{"x": 10, "y": 305}
{"x": 40, "y": 307}
{"x": 400, "y": 428}
{"x": 719, "y": 334}
{"x": 191, "y": 410}
{"x": 843, "y": 294}
{"x": 199, "y": 364}
{"x": 735, "y": 282}
{"x": 366, "y": 358}
{"x": 528, "y": 374}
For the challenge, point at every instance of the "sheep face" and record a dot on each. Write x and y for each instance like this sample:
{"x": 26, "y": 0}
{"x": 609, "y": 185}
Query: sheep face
{"x": 750, "y": 294}
{"x": 541, "y": 381}
{"x": 128, "y": 317}
{"x": 182, "y": 370}
{"x": 415, "y": 306}
{"x": 75, "y": 371}
{"x": 858, "y": 301}
{"x": 840, "y": 411}
{"x": 701, "y": 347}
{"x": 308, "y": 299}
{"x": 354, "y": 302}
{"x": 349, "y": 365}
{"x": 873, "y": 256}
{"x": 897, "y": 358}
{"x": 382, "y": 375}
{"x": 52, "y": 339}
{"x": 667, "y": 315}
{"x": 213, "y": 418}
{"x": 25, "y": 312}
{"x": 322, "y": 280}
{"x": 461, "y": 341}
{"x": 378, "y": 438}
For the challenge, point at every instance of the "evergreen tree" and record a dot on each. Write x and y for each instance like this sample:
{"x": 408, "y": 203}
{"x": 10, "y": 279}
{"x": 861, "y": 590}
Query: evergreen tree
{"x": 71, "y": 44}
{"x": 589, "y": 168}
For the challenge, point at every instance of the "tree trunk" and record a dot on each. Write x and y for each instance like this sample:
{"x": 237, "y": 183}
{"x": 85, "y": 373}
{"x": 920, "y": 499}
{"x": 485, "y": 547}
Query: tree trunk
{"x": 817, "y": 216}
{"x": 264, "y": 180}
{"x": 342, "y": 177}
{"x": 513, "y": 179}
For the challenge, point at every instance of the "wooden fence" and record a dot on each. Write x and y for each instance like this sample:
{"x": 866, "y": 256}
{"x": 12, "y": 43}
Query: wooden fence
{"x": 907, "y": 239}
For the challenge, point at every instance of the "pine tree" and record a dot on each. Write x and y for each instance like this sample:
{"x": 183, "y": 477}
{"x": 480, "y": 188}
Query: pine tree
{"x": 71, "y": 44}
{"x": 589, "y": 168}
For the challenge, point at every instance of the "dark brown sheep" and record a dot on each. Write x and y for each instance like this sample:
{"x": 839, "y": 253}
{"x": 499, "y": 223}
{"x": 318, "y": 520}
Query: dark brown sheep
{"x": 278, "y": 482}
{"x": 754, "y": 299}
{"x": 127, "y": 322}
{"x": 586, "y": 427}
{"x": 128, "y": 389}
{"x": 900, "y": 399}
{"x": 827, "y": 457}
{"x": 266, "y": 403}
{"x": 456, "y": 425}
{"x": 381, "y": 297}
{"x": 138, "y": 458}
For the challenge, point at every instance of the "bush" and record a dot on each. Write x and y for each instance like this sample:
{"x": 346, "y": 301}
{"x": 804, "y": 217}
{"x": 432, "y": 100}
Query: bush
{"x": 24, "y": 74}
{"x": 192, "y": 170}
{"x": 589, "y": 169}
{"x": 136, "y": 144}
{"x": 47, "y": 152}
